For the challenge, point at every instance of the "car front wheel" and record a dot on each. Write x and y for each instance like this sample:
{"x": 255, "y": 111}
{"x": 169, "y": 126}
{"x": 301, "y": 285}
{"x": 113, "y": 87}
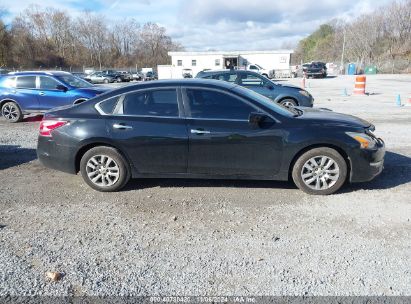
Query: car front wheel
{"x": 320, "y": 171}
{"x": 289, "y": 103}
{"x": 104, "y": 169}
{"x": 11, "y": 111}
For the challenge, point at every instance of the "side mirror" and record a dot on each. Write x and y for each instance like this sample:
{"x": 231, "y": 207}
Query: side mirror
{"x": 270, "y": 87}
{"x": 257, "y": 119}
{"x": 61, "y": 87}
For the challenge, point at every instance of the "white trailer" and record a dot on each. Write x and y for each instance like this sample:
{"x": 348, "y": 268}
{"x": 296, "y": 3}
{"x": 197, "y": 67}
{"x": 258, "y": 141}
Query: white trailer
{"x": 200, "y": 61}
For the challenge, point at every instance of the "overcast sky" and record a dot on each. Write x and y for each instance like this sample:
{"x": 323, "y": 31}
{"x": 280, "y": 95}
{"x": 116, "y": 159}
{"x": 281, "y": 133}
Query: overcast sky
{"x": 219, "y": 24}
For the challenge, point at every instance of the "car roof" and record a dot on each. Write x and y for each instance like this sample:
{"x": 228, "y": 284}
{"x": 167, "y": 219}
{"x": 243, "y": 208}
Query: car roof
{"x": 191, "y": 82}
{"x": 219, "y": 72}
{"x": 36, "y": 73}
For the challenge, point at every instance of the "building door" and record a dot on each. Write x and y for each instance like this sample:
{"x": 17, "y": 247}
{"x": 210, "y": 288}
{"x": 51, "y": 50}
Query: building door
{"x": 230, "y": 62}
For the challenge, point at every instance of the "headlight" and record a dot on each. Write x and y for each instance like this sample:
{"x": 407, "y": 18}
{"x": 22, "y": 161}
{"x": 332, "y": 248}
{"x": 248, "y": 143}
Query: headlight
{"x": 305, "y": 93}
{"x": 366, "y": 142}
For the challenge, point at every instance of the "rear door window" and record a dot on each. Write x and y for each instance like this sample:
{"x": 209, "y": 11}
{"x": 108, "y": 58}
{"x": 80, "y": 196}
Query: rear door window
{"x": 26, "y": 82}
{"x": 161, "y": 103}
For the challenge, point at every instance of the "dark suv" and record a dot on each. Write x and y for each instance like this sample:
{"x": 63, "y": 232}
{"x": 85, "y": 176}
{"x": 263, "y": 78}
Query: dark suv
{"x": 315, "y": 69}
{"x": 118, "y": 76}
{"x": 286, "y": 95}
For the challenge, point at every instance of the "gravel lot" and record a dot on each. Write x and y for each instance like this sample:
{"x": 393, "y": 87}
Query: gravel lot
{"x": 196, "y": 237}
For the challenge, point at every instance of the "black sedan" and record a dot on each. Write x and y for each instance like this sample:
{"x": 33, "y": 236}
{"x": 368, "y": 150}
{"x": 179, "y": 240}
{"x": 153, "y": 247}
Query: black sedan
{"x": 206, "y": 129}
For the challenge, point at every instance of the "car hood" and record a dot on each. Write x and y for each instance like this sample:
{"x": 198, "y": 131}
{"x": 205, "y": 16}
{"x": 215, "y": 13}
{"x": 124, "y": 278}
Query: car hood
{"x": 328, "y": 117}
{"x": 93, "y": 91}
{"x": 289, "y": 86}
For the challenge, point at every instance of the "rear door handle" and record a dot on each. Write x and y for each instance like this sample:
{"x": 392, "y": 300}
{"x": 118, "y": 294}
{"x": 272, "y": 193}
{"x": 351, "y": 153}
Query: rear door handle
{"x": 122, "y": 126}
{"x": 199, "y": 132}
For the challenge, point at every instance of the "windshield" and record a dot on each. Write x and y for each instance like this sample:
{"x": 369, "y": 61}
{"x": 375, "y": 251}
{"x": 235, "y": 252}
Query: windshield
{"x": 266, "y": 102}
{"x": 74, "y": 81}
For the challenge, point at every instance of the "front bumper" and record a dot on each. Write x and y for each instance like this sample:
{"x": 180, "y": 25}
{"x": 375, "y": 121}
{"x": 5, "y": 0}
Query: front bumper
{"x": 306, "y": 101}
{"x": 367, "y": 164}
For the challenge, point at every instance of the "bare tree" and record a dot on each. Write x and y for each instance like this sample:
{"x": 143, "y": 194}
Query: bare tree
{"x": 51, "y": 38}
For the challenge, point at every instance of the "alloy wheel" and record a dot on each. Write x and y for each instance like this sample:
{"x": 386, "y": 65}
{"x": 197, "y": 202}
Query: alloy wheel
{"x": 102, "y": 170}
{"x": 10, "y": 112}
{"x": 320, "y": 172}
{"x": 288, "y": 104}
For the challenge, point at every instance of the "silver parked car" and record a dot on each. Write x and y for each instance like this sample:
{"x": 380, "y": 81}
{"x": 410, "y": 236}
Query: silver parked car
{"x": 99, "y": 77}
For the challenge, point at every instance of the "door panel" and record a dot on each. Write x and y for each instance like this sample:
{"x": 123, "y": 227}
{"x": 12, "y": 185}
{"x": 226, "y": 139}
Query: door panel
{"x": 221, "y": 140}
{"x": 256, "y": 83}
{"x": 27, "y": 98}
{"x": 154, "y": 145}
{"x": 49, "y": 96}
{"x": 26, "y": 93}
{"x": 233, "y": 148}
{"x": 148, "y": 126}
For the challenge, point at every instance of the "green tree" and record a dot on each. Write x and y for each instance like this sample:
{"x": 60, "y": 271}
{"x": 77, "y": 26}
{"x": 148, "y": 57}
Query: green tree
{"x": 317, "y": 45}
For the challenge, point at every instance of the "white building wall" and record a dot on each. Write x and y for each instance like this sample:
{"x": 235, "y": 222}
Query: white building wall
{"x": 270, "y": 60}
{"x": 202, "y": 62}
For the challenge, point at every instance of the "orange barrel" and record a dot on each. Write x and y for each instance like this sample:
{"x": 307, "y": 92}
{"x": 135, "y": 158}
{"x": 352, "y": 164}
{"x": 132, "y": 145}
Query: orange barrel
{"x": 360, "y": 85}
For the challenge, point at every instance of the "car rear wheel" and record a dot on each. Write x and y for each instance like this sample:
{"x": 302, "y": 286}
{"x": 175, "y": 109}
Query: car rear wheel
{"x": 106, "y": 80}
{"x": 320, "y": 171}
{"x": 289, "y": 103}
{"x": 11, "y": 111}
{"x": 104, "y": 169}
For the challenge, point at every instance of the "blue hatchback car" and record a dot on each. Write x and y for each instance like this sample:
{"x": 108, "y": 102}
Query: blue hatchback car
{"x": 23, "y": 93}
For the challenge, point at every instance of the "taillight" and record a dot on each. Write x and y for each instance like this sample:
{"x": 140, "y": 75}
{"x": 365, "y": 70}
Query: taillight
{"x": 46, "y": 126}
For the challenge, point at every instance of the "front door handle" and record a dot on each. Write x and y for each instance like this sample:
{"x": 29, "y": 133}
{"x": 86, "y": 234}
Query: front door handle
{"x": 199, "y": 132}
{"x": 41, "y": 93}
{"x": 121, "y": 126}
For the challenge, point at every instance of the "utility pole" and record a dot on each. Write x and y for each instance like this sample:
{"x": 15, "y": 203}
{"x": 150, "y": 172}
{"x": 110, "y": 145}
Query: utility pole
{"x": 342, "y": 54}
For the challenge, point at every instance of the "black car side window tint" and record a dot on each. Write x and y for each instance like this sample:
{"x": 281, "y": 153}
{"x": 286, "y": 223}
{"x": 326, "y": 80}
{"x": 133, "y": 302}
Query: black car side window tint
{"x": 217, "y": 105}
{"x": 162, "y": 103}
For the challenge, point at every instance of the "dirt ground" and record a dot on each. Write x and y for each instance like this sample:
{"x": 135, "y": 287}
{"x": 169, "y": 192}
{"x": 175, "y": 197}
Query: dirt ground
{"x": 197, "y": 237}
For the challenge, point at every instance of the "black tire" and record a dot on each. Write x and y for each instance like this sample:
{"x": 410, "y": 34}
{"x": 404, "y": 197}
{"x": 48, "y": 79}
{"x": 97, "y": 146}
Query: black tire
{"x": 106, "y": 81}
{"x": 288, "y": 102}
{"x": 12, "y": 112}
{"x": 118, "y": 79}
{"x": 317, "y": 153}
{"x": 123, "y": 169}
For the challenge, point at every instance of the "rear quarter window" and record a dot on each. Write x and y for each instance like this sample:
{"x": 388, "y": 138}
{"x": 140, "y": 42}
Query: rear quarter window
{"x": 8, "y": 82}
{"x": 107, "y": 106}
